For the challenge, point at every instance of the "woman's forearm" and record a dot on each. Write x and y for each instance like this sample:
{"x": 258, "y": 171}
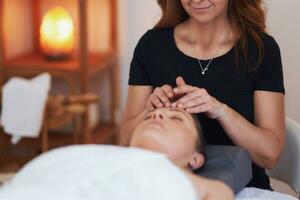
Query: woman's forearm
{"x": 263, "y": 145}
{"x": 128, "y": 126}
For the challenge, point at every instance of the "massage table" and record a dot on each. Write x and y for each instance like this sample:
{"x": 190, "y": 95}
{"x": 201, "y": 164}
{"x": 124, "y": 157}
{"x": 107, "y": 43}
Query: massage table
{"x": 287, "y": 169}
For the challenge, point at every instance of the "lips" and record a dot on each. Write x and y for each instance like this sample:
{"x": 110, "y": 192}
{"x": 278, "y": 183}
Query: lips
{"x": 201, "y": 9}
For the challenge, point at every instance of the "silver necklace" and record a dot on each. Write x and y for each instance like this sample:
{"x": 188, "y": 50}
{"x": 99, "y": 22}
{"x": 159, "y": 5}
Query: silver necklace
{"x": 204, "y": 69}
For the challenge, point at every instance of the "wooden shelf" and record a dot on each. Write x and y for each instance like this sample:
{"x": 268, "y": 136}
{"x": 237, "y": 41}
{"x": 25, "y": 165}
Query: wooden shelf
{"x": 76, "y": 71}
{"x": 37, "y": 62}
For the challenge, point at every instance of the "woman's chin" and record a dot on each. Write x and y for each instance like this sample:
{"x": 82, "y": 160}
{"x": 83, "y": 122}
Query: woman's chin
{"x": 150, "y": 133}
{"x": 152, "y": 141}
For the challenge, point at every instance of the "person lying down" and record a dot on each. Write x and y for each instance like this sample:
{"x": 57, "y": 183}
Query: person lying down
{"x": 164, "y": 148}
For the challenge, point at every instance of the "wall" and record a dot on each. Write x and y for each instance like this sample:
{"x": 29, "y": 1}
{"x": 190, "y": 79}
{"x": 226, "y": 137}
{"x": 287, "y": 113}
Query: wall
{"x": 283, "y": 23}
{"x": 136, "y": 17}
{"x": 17, "y": 27}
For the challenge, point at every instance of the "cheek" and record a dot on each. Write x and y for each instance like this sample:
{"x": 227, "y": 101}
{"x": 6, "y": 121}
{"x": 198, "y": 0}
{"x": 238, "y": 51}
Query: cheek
{"x": 136, "y": 133}
{"x": 220, "y": 5}
{"x": 185, "y": 5}
{"x": 138, "y": 129}
{"x": 188, "y": 142}
{"x": 181, "y": 151}
{"x": 183, "y": 140}
{"x": 184, "y": 2}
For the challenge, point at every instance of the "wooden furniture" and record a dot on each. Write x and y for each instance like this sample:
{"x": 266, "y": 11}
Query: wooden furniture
{"x": 76, "y": 71}
{"x": 62, "y": 109}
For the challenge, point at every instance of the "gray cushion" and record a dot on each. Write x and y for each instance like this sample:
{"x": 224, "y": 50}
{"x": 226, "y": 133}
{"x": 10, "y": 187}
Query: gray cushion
{"x": 230, "y": 164}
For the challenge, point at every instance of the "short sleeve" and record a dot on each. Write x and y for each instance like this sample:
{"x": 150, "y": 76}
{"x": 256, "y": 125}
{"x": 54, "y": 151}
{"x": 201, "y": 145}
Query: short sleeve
{"x": 138, "y": 74}
{"x": 271, "y": 74}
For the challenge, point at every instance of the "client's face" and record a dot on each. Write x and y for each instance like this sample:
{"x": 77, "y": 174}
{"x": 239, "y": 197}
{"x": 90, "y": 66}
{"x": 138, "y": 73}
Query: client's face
{"x": 170, "y": 131}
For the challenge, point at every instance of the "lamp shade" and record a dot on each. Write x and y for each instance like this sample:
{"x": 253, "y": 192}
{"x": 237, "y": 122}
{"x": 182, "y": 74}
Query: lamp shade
{"x": 57, "y": 33}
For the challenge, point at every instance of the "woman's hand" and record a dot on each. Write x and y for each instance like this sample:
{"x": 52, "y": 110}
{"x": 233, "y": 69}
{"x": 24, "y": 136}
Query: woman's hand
{"x": 197, "y": 100}
{"x": 161, "y": 97}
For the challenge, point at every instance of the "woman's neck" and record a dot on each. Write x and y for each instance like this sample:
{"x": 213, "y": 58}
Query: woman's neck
{"x": 206, "y": 35}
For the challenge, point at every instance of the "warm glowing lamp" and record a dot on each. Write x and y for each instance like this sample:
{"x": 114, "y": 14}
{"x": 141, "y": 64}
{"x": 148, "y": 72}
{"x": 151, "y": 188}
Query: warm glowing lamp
{"x": 57, "y": 33}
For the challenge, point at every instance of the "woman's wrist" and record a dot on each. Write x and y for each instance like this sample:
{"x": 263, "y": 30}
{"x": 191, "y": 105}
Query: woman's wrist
{"x": 221, "y": 112}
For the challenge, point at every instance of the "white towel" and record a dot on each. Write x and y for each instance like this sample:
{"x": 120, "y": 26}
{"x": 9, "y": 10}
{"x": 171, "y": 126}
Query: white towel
{"x": 23, "y": 104}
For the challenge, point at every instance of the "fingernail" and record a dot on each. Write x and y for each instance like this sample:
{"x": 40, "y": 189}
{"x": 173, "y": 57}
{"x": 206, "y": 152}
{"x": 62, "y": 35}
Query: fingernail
{"x": 160, "y": 105}
{"x": 175, "y": 90}
{"x": 168, "y": 104}
{"x": 173, "y": 104}
{"x": 180, "y": 105}
{"x": 170, "y": 94}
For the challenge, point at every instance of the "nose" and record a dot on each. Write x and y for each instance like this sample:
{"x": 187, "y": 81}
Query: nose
{"x": 158, "y": 115}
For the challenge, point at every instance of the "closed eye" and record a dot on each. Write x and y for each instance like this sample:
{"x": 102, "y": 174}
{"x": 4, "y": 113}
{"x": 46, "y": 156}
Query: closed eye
{"x": 176, "y": 118}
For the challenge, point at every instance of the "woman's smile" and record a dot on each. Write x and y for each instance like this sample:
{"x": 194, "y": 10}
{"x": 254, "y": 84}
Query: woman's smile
{"x": 200, "y": 10}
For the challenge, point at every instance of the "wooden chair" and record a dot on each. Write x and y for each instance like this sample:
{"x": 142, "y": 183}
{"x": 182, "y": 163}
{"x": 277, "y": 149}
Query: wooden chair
{"x": 59, "y": 110}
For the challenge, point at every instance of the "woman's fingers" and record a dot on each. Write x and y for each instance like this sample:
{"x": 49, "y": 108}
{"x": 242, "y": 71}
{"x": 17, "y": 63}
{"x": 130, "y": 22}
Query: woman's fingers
{"x": 156, "y": 101}
{"x": 192, "y": 95}
{"x": 149, "y": 106}
{"x": 184, "y": 89}
{"x": 165, "y": 93}
{"x": 199, "y": 100}
{"x": 198, "y": 109}
{"x": 198, "y": 105}
{"x": 196, "y": 100}
{"x": 168, "y": 91}
{"x": 180, "y": 81}
{"x": 209, "y": 105}
{"x": 160, "y": 97}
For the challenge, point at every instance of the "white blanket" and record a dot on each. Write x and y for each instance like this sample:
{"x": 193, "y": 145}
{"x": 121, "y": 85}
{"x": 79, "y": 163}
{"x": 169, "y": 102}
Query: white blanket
{"x": 93, "y": 172}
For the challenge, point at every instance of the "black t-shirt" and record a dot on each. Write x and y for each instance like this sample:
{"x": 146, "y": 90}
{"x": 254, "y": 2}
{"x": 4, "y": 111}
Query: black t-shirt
{"x": 158, "y": 61}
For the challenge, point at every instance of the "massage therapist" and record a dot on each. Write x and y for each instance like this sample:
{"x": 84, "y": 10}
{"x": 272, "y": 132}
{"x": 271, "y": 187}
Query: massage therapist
{"x": 213, "y": 58}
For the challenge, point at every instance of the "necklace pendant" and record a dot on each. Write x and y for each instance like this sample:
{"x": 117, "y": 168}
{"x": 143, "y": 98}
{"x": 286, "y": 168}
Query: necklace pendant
{"x": 203, "y": 72}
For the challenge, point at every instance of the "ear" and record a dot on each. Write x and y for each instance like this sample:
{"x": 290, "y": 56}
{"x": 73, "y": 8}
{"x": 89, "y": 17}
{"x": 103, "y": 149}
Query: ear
{"x": 196, "y": 161}
{"x": 180, "y": 81}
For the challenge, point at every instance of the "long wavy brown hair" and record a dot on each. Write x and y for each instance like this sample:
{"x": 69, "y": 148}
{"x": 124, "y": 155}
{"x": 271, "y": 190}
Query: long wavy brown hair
{"x": 247, "y": 18}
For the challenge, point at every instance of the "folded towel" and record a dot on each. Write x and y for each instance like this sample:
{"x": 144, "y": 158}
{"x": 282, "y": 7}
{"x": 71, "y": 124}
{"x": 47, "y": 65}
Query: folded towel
{"x": 23, "y": 105}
